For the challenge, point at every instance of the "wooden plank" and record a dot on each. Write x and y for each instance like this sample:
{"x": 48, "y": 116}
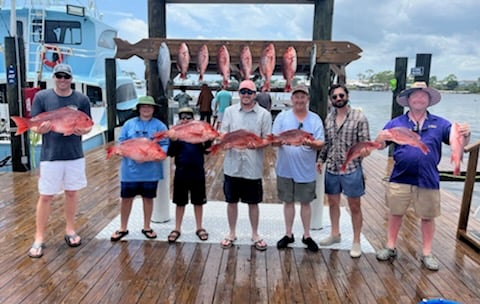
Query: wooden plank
{"x": 337, "y": 52}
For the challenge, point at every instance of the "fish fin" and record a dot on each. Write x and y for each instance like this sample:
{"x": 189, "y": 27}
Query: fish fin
{"x": 424, "y": 148}
{"x": 343, "y": 168}
{"x": 110, "y": 152}
{"x": 214, "y": 149}
{"x": 160, "y": 135}
{"x": 22, "y": 124}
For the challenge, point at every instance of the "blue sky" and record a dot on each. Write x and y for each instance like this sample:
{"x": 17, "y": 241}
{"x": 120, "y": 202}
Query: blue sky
{"x": 449, "y": 30}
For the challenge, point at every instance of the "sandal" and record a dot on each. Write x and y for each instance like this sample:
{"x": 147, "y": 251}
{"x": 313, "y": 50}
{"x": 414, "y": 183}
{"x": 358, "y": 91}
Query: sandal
{"x": 119, "y": 235}
{"x": 260, "y": 245}
{"x": 70, "y": 238}
{"x": 149, "y": 234}
{"x": 202, "y": 234}
{"x": 227, "y": 242}
{"x": 173, "y": 236}
{"x": 38, "y": 247}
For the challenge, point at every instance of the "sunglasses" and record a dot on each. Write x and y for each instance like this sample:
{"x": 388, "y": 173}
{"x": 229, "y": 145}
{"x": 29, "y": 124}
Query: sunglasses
{"x": 334, "y": 96}
{"x": 300, "y": 125}
{"x": 246, "y": 91}
{"x": 61, "y": 75}
{"x": 186, "y": 116}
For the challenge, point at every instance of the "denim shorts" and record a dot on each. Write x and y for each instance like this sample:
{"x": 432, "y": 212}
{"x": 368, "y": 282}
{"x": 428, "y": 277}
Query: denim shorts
{"x": 352, "y": 185}
{"x": 144, "y": 189}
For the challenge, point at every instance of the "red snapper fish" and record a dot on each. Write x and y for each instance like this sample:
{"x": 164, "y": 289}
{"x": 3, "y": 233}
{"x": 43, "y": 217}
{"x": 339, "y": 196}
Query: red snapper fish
{"x": 267, "y": 65}
{"x": 202, "y": 61}
{"x": 405, "y": 136}
{"x": 140, "y": 149}
{"x": 294, "y": 137}
{"x": 457, "y": 143}
{"x": 194, "y": 132}
{"x": 357, "y": 149}
{"x": 223, "y": 63}
{"x": 289, "y": 67}
{"x": 183, "y": 60}
{"x": 245, "y": 63}
{"x": 239, "y": 139}
{"x": 64, "y": 121}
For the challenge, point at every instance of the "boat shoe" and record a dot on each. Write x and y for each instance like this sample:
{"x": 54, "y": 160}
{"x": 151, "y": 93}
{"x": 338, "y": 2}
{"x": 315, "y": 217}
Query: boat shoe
{"x": 330, "y": 240}
{"x": 386, "y": 254}
{"x": 430, "y": 262}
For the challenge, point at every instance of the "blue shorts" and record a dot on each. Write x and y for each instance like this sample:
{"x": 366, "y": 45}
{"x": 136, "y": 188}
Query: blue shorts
{"x": 238, "y": 189}
{"x": 144, "y": 189}
{"x": 352, "y": 185}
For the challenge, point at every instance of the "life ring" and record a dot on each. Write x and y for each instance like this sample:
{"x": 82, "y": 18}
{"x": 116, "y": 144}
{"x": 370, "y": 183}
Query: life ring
{"x": 55, "y": 50}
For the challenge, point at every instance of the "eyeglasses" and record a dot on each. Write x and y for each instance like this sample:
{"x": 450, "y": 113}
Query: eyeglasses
{"x": 246, "y": 91}
{"x": 61, "y": 75}
{"x": 334, "y": 96}
{"x": 186, "y": 116}
{"x": 300, "y": 125}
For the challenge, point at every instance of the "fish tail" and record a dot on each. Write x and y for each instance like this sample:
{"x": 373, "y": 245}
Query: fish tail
{"x": 288, "y": 87}
{"x": 214, "y": 149}
{"x": 456, "y": 170}
{"x": 22, "y": 124}
{"x": 110, "y": 152}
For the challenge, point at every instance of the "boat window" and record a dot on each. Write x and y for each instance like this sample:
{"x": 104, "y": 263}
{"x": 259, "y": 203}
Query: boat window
{"x": 95, "y": 95}
{"x": 126, "y": 92}
{"x": 63, "y": 32}
{"x": 106, "y": 39}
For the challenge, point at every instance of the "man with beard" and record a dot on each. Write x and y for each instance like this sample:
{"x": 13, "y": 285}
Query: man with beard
{"x": 344, "y": 127}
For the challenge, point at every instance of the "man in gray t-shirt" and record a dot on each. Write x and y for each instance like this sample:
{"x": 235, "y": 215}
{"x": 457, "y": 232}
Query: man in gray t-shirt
{"x": 183, "y": 98}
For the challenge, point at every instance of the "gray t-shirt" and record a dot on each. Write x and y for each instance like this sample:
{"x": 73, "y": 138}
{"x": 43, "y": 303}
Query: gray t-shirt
{"x": 56, "y": 146}
{"x": 183, "y": 99}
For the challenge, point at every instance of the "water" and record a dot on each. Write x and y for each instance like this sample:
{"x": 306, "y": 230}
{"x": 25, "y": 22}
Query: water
{"x": 454, "y": 107}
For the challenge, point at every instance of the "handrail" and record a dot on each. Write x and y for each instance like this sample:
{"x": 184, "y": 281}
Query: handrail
{"x": 462, "y": 233}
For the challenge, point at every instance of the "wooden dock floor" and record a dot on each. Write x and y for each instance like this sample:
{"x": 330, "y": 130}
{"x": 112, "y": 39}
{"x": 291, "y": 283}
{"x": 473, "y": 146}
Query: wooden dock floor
{"x": 140, "y": 271}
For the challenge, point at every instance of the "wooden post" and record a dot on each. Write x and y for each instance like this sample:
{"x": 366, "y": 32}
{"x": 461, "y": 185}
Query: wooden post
{"x": 111, "y": 87}
{"x": 19, "y": 145}
{"x": 401, "y": 79}
{"x": 423, "y": 63}
{"x": 157, "y": 28}
{"x": 322, "y": 30}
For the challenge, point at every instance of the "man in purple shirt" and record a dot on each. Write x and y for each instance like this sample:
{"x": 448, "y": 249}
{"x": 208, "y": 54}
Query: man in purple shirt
{"x": 415, "y": 179}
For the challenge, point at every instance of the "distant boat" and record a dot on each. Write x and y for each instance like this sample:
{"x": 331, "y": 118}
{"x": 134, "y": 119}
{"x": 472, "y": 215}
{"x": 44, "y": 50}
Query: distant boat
{"x": 73, "y": 35}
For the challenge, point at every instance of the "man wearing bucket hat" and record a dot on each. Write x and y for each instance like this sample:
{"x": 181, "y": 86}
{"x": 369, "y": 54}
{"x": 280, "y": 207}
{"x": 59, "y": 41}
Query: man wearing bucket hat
{"x": 415, "y": 178}
{"x": 189, "y": 178}
{"x": 140, "y": 178}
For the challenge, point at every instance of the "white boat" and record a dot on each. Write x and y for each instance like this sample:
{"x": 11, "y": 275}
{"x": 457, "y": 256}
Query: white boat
{"x": 73, "y": 35}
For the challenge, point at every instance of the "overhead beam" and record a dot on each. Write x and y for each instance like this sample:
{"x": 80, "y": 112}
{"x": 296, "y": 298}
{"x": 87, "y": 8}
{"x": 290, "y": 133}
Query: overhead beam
{"x": 241, "y": 2}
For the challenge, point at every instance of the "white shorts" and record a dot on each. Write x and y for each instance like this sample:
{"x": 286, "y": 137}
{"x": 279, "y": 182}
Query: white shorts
{"x": 60, "y": 175}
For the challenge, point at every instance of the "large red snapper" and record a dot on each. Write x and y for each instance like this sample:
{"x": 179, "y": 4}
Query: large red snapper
{"x": 239, "y": 139}
{"x": 194, "y": 132}
{"x": 405, "y": 136}
{"x": 63, "y": 120}
{"x": 289, "y": 67}
{"x": 139, "y": 149}
{"x": 223, "y": 63}
{"x": 457, "y": 143}
{"x": 267, "y": 65}
{"x": 294, "y": 137}
{"x": 183, "y": 60}
{"x": 357, "y": 149}
{"x": 245, "y": 63}
{"x": 202, "y": 61}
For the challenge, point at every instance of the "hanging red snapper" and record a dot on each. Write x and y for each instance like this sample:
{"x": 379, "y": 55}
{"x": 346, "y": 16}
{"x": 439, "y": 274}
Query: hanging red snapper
{"x": 63, "y": 120}
{"x": 457, "y": 142}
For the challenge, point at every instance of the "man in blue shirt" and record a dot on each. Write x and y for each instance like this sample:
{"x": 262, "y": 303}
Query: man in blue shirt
{"x": 415, "y": 179}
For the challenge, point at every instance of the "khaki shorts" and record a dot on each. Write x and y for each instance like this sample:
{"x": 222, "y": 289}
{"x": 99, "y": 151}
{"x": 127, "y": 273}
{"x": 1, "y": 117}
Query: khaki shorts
{"x": 289, "y": 191}
{"x": 425, "y": 202}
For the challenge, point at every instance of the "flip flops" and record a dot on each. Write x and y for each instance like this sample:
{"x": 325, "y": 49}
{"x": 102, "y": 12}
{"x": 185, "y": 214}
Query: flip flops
{"x": 260, "y": 245}
{"x": 68, "y": 239}
{"x": 173, "y": 236}
{"x": 36, "y": 247}
{"x": 120, "y": 235}
{"x": 149, "y": 234}
{"x": 202, "y": 234}
{"x": 227, "y": 242}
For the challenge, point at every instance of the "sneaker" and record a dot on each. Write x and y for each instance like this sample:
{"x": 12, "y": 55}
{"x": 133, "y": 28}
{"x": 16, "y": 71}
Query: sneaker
{"x": 386, "y": 253}
{"x": 430, "y": 262}
{"x": 283, "y": 243}
{"x": 331, "y": 240}
{"x": 311, "y": 245}
{"x": 356, "y": 250}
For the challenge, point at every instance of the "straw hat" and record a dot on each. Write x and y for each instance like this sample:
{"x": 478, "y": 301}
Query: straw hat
{"x": 402, "y": 98}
